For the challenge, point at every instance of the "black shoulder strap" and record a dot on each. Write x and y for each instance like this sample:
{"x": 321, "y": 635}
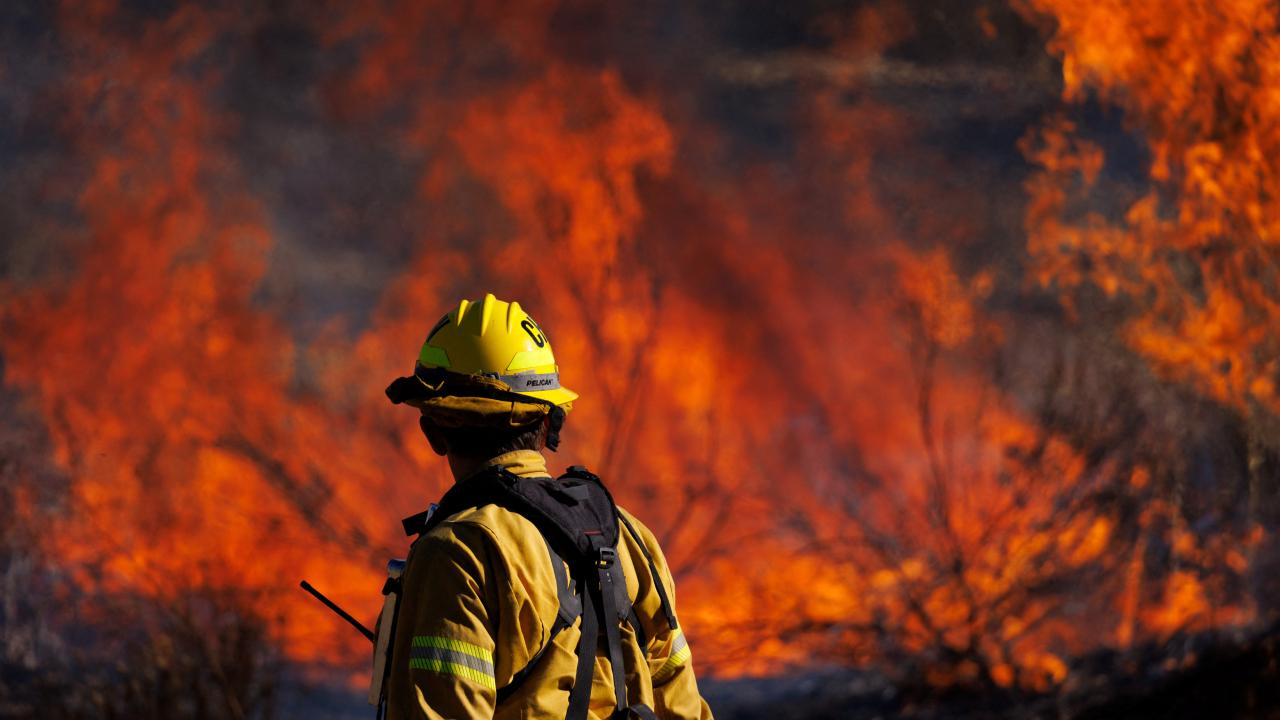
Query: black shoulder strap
{"x": 588, "y": 644}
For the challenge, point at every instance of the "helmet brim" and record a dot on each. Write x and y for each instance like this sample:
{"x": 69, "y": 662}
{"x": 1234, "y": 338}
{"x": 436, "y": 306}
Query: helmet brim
{"x": 410, "y": 388}
{"x": 559, "y": 396}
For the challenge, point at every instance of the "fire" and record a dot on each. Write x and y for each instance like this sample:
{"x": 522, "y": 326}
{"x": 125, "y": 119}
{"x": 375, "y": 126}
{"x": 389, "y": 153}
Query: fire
{"x": 1191, "y": 259}
{"x": 163, "y": 385}
{"x": 1196, "y": 250}
{"x": 791, "y": 382}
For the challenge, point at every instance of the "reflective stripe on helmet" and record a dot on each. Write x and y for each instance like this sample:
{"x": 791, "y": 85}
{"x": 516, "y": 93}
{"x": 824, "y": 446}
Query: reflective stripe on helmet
{"x": 529, "y": 382}
{"x": 518, "y": 382}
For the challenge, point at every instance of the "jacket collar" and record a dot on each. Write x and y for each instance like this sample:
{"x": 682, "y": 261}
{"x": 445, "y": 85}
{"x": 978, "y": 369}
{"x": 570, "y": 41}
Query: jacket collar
{"x": 524, "y": 463}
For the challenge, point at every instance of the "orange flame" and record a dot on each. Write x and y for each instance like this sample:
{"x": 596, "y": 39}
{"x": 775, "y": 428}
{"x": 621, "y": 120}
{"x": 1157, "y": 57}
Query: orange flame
{"x": 1197, "y": 251}
{"x": 1191, "y": 260}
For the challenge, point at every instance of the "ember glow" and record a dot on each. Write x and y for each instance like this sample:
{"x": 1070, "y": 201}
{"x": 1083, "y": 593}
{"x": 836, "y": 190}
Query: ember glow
{"x": 876, "y": 407}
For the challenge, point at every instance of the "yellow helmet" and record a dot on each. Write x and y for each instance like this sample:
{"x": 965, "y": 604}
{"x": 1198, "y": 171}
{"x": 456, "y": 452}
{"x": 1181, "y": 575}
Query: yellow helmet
{"x": 486, "y": 363}
{"x": 497, "y": 340}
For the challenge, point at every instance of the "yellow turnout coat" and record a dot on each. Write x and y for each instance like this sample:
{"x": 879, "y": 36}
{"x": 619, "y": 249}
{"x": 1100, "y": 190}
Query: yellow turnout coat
{"x": 479, "y": 599}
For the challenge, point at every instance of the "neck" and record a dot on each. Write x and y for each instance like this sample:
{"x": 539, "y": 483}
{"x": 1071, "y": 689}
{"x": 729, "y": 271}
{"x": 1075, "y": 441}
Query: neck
{"x": 464, "y": 467}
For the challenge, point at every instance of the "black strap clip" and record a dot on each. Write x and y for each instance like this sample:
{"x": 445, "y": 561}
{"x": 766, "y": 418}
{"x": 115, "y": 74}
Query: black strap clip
{"x": 606, "y": 557}
{"x": 582, "y": 473}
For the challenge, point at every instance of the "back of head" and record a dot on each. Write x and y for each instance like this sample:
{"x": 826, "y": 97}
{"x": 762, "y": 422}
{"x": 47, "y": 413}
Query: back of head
{"x": 484, "y": 443}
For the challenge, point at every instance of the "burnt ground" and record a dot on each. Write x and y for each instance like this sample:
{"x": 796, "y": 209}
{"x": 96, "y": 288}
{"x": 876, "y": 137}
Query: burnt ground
{"x": 1210, "y": 675}
{"x": 1214, "y": 675}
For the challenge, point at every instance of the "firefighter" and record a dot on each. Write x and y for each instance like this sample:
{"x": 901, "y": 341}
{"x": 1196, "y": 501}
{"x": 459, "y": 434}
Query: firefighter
{"x": 488, "y": 625}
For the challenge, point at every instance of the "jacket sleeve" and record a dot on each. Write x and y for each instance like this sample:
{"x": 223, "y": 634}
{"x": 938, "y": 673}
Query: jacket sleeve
{"x": 443, "y": 664}
{"x": 675, "y": 689}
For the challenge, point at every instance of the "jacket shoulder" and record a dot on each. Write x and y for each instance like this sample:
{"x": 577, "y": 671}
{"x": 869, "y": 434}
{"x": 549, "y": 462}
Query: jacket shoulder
{"x": 643, "y": 538}
{"x": 500, "y": 524}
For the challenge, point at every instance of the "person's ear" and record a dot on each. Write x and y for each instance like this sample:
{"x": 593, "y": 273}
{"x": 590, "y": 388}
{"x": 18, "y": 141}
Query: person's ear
{"x": 434, "y": 436}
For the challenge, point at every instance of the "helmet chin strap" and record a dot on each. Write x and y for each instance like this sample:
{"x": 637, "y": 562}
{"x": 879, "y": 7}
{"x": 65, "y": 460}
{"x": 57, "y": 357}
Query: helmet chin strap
{"x": 555, "y": 422}
{"x": 423, "y": 425}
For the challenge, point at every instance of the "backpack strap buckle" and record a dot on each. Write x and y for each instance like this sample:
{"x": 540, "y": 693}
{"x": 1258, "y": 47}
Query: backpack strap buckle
{"x": 606, "y": 557}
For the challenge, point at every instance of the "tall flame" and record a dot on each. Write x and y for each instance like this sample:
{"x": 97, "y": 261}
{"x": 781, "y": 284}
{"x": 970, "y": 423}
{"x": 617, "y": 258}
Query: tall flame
{"x": 1190, "y": 259}
{"x": 1196, "y": 251}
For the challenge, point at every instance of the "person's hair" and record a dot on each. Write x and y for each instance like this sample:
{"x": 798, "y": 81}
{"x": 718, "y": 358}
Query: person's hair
{"x": 490, "y": 442}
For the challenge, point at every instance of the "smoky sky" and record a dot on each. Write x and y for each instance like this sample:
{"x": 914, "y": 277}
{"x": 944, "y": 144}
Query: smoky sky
{"x": 338, "y": 185}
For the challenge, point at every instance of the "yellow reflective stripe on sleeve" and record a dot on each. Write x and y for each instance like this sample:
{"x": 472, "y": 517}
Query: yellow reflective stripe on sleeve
{"x": 448, "y": 656}
{"x": 448, "y": 668}
{"x": 680, "y": 654}
{"x": 447, "y": 643}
